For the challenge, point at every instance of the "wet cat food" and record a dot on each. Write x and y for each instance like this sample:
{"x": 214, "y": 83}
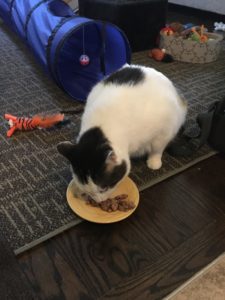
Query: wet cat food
{"x": 120, "y": 202}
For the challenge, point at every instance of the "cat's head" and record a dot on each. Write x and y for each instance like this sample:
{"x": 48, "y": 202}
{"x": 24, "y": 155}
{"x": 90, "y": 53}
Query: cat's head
{"x": 96, "y": 168}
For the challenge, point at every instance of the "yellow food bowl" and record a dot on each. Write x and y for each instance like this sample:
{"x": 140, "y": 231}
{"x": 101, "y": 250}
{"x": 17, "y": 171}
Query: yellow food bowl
{"x": 96, "y": 214}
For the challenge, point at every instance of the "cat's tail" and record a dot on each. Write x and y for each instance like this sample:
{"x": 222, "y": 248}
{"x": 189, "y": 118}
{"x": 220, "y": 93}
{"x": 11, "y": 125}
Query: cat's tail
{"x": 75, "y": 111}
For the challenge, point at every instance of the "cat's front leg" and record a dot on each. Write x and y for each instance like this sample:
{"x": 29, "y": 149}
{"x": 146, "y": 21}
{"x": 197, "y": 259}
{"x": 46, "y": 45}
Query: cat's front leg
{"x": 154, "y": 161}
{"x": 157, "y": 147}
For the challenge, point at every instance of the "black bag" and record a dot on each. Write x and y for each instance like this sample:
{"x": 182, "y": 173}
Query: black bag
{"x": 216, "y": 138}
{"x": 212, "y": 131}
{"x": 141, "y": 20}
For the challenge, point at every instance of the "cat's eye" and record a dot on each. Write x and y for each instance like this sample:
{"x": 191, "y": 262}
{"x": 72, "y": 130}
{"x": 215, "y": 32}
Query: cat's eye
{"x": 103, "y": 190}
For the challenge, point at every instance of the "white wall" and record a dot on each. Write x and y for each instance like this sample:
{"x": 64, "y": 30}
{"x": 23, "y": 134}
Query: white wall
{"x": 217, "y": 6}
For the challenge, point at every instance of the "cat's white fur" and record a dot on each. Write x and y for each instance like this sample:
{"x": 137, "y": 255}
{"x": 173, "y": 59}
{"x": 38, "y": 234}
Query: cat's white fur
{"x": 135, "y": 119}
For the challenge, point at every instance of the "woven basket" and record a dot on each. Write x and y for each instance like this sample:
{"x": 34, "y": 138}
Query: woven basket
{"x": 191, "y": 51}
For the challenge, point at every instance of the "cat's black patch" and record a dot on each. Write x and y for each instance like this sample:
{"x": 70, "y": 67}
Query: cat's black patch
{"x": 88, "y": 159}
{"x": 126, "y": 75}
{"x": 110, "y": 179}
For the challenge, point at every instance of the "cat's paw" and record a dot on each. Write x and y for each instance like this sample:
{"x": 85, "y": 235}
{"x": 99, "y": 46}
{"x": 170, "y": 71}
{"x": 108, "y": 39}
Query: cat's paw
{"x": 154, "y": 163}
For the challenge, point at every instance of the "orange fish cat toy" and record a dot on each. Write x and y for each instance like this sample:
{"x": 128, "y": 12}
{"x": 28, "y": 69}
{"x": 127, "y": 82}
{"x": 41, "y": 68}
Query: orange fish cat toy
{"x": 37, "y": 121}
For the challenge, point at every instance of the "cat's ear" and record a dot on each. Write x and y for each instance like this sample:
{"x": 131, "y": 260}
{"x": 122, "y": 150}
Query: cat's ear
{"x": 66, "y": 148}
{"x": 111, "y": 160}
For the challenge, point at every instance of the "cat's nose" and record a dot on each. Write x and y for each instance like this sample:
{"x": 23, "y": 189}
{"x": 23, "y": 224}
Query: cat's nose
{"x": 94, "y": 196}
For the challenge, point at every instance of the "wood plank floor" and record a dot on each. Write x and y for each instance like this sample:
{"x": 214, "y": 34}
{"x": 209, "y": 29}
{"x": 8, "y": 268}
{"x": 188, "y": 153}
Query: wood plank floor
{"x": 178, "y": 228}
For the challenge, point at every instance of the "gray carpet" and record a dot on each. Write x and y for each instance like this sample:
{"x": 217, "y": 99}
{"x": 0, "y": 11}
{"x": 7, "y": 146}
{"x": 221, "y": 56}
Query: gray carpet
{"x": 34, "y": 177}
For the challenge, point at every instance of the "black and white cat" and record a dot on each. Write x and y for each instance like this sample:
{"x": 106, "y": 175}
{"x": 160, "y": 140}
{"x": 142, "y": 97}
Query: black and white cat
{"x": 135, "y": 110}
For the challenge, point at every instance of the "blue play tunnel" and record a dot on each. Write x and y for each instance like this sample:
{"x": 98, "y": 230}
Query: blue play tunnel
{"x": 58, "y": 37}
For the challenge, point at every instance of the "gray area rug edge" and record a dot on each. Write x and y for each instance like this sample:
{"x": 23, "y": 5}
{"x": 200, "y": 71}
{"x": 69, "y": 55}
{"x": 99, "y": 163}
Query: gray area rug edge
{"x": 78, "y": 221}
{"x": 47, "y": 236}
{"x": 177, "y": 171}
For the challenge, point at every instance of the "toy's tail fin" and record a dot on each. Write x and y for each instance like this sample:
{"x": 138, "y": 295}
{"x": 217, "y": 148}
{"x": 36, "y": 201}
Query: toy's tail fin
{"x": 10, "y": 117}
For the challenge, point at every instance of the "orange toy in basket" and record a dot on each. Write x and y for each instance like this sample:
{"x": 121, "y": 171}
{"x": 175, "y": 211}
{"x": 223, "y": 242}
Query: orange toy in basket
{"x": 160, "y": 55}
{"x": 37, "y": 121}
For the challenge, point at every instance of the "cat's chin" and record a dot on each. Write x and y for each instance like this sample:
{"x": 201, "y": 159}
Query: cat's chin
{"x": 102, "y": 197}
{"x": 98, "y": 197}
